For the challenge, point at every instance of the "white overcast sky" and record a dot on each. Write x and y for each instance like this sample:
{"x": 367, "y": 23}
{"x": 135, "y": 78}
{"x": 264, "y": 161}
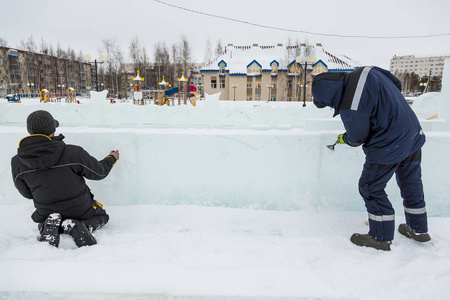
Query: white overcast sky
{"x": 82, "y": 24}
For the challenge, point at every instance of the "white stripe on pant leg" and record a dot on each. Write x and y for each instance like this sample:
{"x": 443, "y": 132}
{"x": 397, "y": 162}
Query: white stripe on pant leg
{"x": 415, "y": 211}
{"x": 381, "y": 218}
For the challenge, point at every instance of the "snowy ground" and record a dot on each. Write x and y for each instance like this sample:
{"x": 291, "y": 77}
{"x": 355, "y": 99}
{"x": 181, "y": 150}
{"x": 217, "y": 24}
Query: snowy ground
{"x": 270, "y": 209}
{"x": 158, "y": 252}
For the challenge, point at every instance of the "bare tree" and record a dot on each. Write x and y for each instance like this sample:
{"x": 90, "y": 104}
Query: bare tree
{"x": 43, "y": 48}
{"x": 114, "y": 65}
{"x": 219, "y": 49}
{"x": 3, "y": 42}
{"x": 208, "y": 53}
{"x": 30, "y": 44}
{"x": 135, "y": 53}
{"x": 162, "y": 60}
{"x": 185, "y": 52}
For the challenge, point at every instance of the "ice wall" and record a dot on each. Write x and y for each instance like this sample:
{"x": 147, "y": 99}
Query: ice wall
{"x": 253, "y": 162}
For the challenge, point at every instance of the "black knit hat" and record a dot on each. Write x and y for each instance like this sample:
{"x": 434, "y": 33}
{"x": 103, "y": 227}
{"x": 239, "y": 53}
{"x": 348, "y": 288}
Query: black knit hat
{"x": 41, "y": 122}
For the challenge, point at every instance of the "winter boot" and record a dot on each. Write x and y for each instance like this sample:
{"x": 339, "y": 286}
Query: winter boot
{"x": 50, "y": 229}
{"x": 80, "y": 233}
{"x": 366, "y": 240}
{"x": 406, "y": 231}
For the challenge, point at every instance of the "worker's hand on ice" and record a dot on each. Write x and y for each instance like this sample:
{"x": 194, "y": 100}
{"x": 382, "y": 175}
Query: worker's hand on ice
{"x": 342, "y": 138}
{"x": 115, "y": 154}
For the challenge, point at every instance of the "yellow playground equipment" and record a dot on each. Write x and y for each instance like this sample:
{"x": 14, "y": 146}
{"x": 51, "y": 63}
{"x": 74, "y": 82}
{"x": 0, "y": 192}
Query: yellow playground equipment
{"x": 71, "y": 95}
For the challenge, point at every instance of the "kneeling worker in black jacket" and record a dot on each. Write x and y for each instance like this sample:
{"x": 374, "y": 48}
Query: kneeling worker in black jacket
{"x": 53, "y": 174}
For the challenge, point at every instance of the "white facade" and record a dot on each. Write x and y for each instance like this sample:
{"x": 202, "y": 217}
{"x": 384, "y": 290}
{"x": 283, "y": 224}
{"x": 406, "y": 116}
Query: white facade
{"x": 430, "y": 65}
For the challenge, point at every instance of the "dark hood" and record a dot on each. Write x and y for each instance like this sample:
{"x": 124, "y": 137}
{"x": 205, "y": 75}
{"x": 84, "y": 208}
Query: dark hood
{"x": 328, "y": 88}
{"x": 41, "y": 152}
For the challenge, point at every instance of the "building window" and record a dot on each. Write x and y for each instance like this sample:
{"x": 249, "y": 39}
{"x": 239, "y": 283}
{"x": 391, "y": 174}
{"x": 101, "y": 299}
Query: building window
{"x": 222, "y": 83}
{"x": 274, "y": 67}
{"x": 254, "y": 68}
{"x": 274, "y": 83}
{"x": 222, "y": 68}
{"x": 258, "y": 82}
{"x": 214, "y": 82}
{"x": 249, "y": 82}
{"x": 257, "y": 97}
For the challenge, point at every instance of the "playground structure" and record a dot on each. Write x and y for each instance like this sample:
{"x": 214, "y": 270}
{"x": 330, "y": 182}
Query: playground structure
{"x": 71, "y": 95}
{"x": 138, "y": 97}
{"x": 164, "y": 96}
{"x": 47, "y": 96}
{"x": 13, "y": 98}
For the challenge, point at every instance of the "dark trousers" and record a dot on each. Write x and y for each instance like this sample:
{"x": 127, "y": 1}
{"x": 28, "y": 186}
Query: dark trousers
{"x": 372, "y": 183}
{"x": 99, "y": 219}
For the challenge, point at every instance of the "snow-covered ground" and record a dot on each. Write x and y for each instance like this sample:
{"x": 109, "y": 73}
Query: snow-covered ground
{"x": 230, "y": 200}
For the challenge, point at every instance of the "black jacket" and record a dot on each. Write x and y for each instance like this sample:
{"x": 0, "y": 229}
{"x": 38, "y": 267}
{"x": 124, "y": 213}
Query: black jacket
{"x": 52, "y": 174}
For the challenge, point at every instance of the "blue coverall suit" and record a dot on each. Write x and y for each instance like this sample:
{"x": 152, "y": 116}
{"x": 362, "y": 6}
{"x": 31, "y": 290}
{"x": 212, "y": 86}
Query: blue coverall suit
{"x": 376, "y": 115}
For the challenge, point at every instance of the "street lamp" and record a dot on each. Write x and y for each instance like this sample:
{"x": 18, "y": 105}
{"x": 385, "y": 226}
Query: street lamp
{"x": 270, "y": 92}
{"x": 312, "y": 62}
{"x": 424, "y": 84}
{"x": 101, "y": 59}
{"x": 298, "y": 61}
{"x": 31, "y": 90}
{"x": 234, "y": 86}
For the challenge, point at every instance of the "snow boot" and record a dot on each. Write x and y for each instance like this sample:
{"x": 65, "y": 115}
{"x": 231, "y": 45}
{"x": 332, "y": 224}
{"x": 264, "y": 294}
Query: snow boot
{"x": 366, "y": 240}
{"x": 406, "y": 231}
{"x": 79, "y": 231}
{"x": 50, "y": 229}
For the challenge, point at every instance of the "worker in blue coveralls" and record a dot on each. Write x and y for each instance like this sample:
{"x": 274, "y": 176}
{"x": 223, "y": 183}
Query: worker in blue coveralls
{"x": 376, "y": 115}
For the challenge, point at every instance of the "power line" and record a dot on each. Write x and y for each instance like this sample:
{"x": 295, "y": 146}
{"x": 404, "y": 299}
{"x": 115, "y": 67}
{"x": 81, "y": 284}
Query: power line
{"x": 303, "y": 31}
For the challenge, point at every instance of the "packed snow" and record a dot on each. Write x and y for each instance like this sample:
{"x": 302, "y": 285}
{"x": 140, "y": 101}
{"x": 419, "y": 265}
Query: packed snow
{"x": 224, "y": 200}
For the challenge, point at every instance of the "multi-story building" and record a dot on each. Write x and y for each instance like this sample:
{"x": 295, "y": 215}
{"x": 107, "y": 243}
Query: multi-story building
{"x": 270, "y": 73}
{"x": 25, "y": 72}
{"x": 423, "y": 66}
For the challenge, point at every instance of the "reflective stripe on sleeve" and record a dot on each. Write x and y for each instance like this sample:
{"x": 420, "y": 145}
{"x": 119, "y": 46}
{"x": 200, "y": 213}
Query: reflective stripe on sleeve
{"x": 415, "y": 211}
{"x": 381, "y": 218}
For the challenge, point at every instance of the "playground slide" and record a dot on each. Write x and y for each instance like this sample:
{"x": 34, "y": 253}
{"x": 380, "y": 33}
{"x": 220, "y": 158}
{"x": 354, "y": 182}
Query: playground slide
{"x": 171, "y": 91}
{"x": 196, "y": 97}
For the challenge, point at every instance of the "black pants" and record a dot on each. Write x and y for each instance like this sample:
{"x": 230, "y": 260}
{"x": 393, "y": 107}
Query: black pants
{"x": 99, "y": 219}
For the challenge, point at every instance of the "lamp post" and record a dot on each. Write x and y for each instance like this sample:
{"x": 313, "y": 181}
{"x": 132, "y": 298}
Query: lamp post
{"x": 269, "y": 86}
{"x": 101, "y": 59}
{"x": 424, "y": 84}
{"x": 234, "y": 86}
{"x": 30, "y": 90}
{"x": 312, "y": 62}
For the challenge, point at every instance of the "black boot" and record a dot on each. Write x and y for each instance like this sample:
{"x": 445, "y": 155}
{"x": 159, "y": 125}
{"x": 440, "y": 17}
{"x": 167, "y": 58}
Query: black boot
{"x": 406, "y": 231}
{"x": 366, "y": 240}
{"x": 79, "y": 231}
{"x": 50, "y": 229}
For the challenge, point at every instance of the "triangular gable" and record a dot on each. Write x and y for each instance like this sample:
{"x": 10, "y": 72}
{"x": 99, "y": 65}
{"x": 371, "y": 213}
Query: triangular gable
{"x": 274, "y": 61}
{"x": 222, "y": 61}
{"x": 254, "y": 61}
{"x": 320, "y": 61}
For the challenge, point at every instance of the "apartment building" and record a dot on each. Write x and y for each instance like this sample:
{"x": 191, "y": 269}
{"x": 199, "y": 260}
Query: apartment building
{"x": 423, "y": 66}
{"x": 25, "y": 72}
{"x": 270, "y": 73}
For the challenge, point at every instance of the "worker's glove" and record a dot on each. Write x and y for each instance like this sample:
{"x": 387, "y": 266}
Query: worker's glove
{"x": 342, "y": 138}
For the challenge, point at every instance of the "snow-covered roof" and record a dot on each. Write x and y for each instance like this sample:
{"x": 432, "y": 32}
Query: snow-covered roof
{"x": 238, "y": 58}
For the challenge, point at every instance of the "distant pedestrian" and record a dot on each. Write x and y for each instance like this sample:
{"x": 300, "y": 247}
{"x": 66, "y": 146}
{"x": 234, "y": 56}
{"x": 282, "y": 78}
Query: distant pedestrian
{"x": 53, "y": 174}
{"x": 376, "y": 115}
